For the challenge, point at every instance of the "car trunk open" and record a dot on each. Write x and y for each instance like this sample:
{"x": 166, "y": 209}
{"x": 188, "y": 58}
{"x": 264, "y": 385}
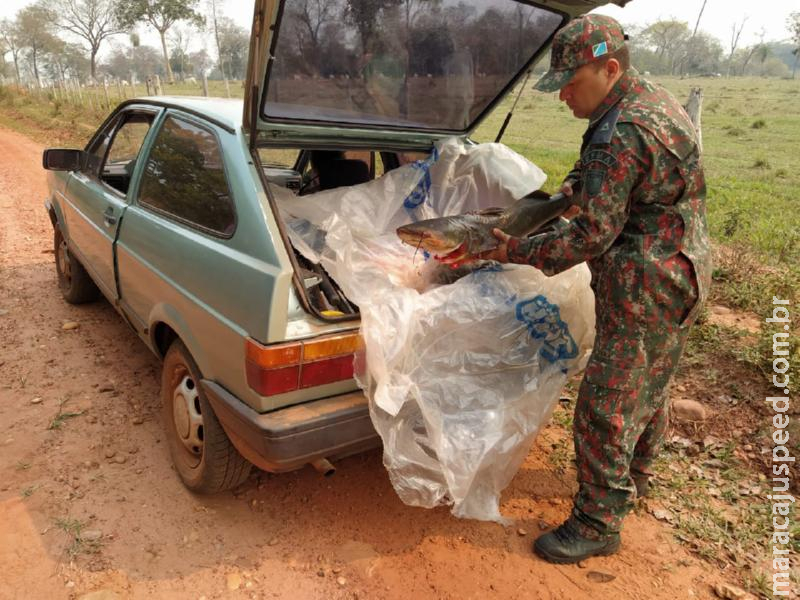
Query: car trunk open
{"x": 385, "y": 76}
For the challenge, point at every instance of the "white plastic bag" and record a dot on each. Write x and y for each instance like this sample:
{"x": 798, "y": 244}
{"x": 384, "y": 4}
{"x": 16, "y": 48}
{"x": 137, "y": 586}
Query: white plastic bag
{"x": 459, "y": 377}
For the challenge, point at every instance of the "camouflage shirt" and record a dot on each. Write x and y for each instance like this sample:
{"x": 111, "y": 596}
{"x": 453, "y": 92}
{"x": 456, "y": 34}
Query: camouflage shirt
{"x": 642, "y": 228}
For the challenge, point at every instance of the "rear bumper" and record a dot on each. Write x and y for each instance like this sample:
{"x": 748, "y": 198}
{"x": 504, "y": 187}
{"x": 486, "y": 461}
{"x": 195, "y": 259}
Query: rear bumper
{"x": 291, "y": 437}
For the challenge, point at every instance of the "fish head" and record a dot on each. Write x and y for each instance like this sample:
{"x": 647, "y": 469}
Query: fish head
{"x": 429, "y": 237}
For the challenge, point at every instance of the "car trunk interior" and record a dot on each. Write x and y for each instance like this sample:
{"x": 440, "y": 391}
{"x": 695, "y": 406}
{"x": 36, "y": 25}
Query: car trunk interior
{"x": 308, "y": 171}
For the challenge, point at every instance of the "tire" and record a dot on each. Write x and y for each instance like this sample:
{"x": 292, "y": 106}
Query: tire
{"x": 74, "y": 282}
{"x": 203, "y": 455}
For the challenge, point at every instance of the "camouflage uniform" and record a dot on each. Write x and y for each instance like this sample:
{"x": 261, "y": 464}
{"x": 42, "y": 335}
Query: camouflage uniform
{"x": 643, "y": 233}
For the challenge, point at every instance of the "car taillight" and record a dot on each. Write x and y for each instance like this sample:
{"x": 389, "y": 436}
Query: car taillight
{"x": 282, "y": 368}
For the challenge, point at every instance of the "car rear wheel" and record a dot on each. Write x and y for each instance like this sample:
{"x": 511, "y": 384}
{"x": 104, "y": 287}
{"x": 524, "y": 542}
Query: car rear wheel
{"x": 203, "y": 455}
{"x": 74, "y": 282}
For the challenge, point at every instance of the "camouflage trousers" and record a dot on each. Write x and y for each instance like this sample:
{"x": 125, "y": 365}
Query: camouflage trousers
{"x": 621, "y": 418}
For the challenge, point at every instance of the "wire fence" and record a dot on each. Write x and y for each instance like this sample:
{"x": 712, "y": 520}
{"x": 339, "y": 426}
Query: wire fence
{"x": 109, "y": 92}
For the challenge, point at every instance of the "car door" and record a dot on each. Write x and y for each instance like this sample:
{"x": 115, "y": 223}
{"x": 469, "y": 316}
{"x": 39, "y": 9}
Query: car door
{"x": 173, "y": 252}
{"x": 97, "y": 195}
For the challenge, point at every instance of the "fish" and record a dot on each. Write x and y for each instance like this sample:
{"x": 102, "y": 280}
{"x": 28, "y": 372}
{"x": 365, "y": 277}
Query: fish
{"x": 458, "y": 238}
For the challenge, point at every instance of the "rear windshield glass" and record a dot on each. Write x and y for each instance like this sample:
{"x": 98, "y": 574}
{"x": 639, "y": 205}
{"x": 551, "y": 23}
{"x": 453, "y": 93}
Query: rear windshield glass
{"x": 435, "y": 64}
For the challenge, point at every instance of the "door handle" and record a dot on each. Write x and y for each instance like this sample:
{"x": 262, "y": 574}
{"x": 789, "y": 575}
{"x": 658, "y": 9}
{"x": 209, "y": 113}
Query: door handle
{"x": 108, "y": 217}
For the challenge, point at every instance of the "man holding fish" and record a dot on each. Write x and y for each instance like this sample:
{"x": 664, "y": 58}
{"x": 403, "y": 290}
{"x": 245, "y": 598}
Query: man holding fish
{"x": 641, "y": 228}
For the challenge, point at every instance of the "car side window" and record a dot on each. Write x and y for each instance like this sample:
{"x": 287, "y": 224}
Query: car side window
{"x": 121, "y": 157}
{"x": 96, "y": 152}
{"x": 184, "y": 178}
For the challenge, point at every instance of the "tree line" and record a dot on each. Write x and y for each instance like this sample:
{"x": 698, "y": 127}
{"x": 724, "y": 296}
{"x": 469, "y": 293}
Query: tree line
{"x": 43, "y": 43}
{"x": 47, "y": 44}
{"x": 672, "y": 47}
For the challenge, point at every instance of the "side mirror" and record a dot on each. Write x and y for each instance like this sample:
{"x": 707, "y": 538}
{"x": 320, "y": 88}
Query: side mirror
{"x": 62, "y": 159}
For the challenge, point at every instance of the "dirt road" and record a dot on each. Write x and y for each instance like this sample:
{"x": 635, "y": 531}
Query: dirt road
{"x": 90, "y": 507}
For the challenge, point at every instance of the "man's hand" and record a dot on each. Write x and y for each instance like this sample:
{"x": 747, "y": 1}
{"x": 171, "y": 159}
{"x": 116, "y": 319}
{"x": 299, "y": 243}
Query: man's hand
{"x": 566, "y": 189}
{"x": 500, "y": 254}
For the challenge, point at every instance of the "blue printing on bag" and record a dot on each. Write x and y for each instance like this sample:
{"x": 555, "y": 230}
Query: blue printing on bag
{"x": 543, "y": 321}
{"x": 420, "y": 192}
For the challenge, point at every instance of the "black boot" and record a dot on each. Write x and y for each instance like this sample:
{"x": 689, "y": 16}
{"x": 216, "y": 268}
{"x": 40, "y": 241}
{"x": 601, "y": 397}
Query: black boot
{"x": 642, "y": 486}
{"x": 566, "y": 545}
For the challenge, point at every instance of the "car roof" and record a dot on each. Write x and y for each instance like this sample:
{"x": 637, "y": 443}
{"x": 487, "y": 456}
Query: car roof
{"x": 226, "y": 111}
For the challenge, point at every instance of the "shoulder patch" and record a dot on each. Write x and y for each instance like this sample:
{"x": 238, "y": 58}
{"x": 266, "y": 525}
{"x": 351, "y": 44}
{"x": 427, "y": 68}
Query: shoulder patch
{"x": 604, "y": 130}
{"x": 593, "y": 156}
{"x": 596, "y": 163}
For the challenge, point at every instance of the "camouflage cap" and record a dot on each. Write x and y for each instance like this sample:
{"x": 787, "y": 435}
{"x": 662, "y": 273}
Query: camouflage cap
{"x": 579, "y": 42}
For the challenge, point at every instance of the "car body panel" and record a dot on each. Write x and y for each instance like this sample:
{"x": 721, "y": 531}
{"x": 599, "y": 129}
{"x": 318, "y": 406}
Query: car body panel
{"x": 93, "y": 212}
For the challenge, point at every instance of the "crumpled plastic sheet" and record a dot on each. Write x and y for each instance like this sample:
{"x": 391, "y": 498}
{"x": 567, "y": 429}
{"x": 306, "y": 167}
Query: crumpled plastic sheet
{"x": 460, "y": 377}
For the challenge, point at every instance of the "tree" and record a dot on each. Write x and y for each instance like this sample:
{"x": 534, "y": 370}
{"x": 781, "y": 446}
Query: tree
{"x": 364, "y": 15}
{"x": 181, "y": 39}
{"x": 762, "y": 54}
{"x": 704, "y": 56}
{"x": 744, "y": 57}
{"x": 668, "y": 37}
{"x": 735, "y": 34}
{"x": 68, "y": 60}
{"x": 215, "y": 24}
{"x": 699, "y": 16}
{"x": 794, "y": 28}
{"x": 690, "y": 44}
{"x": 234, "y": 47}
{"x": 3, "y": 52}
{"x": 200, "y": 61}
{"x": 133, "y": 37}
{"x": 35, "y": 24}
{"x": 9, "y": 33}
{"x": 118, "y": 64}
{"x": 311, "y": 15}
{"x": 160, "y": 15}
{"x": 91, "y": 20}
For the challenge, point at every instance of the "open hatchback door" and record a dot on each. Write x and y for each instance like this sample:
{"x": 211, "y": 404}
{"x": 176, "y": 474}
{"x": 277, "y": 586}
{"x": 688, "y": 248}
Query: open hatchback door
{"x": 388, "y": 78}
{"x": 397, "y": 72}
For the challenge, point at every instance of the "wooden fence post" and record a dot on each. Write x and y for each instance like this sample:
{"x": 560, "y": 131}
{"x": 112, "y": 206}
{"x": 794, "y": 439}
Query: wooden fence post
{"x": 157, "y": 80}
{"x": 694, "y": 108}
{"x": 105, "y": 91}
{"x": 205, "y": 85}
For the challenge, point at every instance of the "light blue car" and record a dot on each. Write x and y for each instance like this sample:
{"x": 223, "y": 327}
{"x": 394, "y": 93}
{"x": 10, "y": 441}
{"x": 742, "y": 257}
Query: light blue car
{"x": 169, "y": 213}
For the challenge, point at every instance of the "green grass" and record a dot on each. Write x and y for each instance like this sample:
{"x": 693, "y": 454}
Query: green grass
{"x": 62, "y": 416}
{"x": 28, "y": 491}
{"x": 76, "y": 545}
{"x": 710, "y": 515}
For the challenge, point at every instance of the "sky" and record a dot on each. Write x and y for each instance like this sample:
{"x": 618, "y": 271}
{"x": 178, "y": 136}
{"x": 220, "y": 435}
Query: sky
{"x": 718, "y": 17}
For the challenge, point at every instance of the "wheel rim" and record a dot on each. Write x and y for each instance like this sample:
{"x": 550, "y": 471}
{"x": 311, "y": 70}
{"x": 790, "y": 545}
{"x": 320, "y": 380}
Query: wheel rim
{"x": 64, "y": 265}
{"x": 187, "y": 416}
